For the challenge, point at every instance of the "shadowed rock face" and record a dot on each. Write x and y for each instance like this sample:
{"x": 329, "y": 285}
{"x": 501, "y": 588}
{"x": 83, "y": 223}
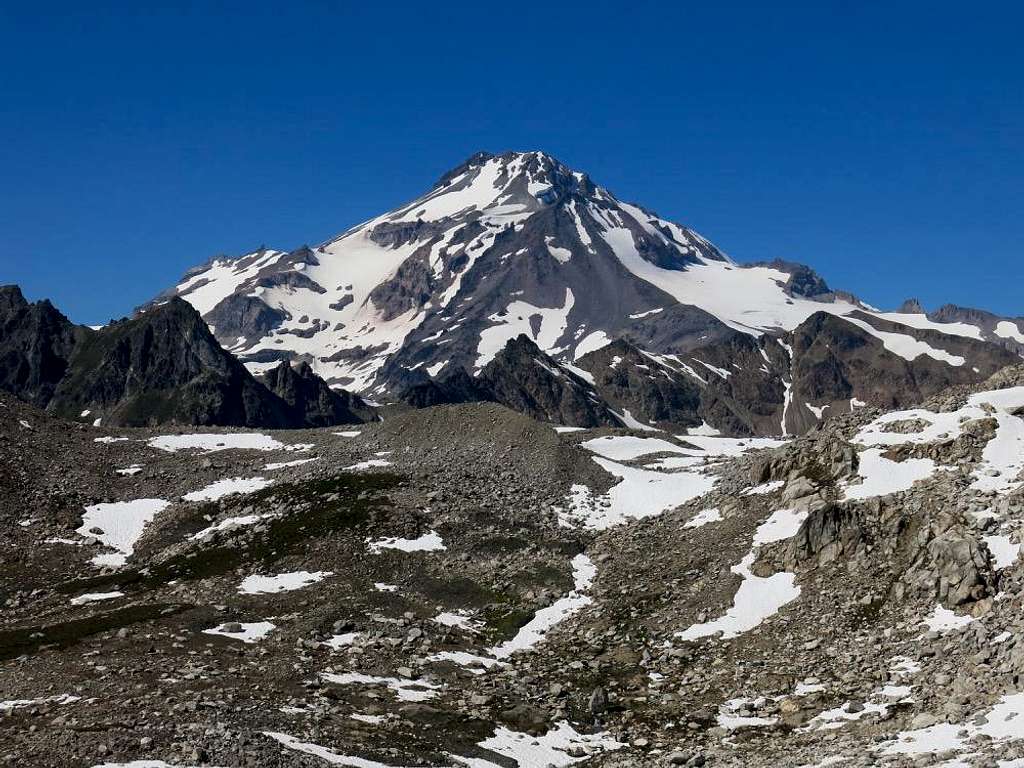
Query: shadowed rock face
{"x": 523, "y": 378}
{"x": 161, "y": 367}
{"x": 740, "y": 384}
{"x": 835, "y": 360}
{"x": 311, "y": 401}
{"x": 164, "y": 366}
{"x": 241, "y": 316}
{"x": 627, "y": 379}
{"x": 36, "y": 342}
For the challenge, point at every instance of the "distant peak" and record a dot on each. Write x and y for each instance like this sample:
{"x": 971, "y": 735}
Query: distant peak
{"x": 533, "y": 161}
{"x": 911, "y": 307}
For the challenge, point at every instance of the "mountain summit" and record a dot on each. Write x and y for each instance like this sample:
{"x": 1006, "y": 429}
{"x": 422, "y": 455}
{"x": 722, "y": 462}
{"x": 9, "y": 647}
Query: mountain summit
{"x": 521, "y": 244}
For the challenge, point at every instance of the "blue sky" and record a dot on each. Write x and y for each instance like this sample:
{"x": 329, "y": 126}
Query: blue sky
{"x": 879, "y": 143}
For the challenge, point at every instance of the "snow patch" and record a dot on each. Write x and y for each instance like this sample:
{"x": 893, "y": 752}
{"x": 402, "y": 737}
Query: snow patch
{"x": 221, "y": 488}
{"x": 210, "y": 442}
{"x": 516, "y": 320}
{"x": 119, "y": 525}
{"x": 428, "y": 542}
{"x": 282, "y": 582}
{"x": 94, "y": 597}
{"x": 248, "y": 632}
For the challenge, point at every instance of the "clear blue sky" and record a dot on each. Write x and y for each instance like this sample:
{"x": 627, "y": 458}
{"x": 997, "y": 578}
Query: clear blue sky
{"x": 881, "y": 143}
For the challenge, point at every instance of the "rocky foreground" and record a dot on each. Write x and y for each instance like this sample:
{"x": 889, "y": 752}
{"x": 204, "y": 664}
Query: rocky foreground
{"x": 464, "y": 586}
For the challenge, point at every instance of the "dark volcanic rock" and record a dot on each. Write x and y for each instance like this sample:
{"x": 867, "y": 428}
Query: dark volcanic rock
{"x": 628, "y": 379}
{"x": 311, "y": 400}
{"x": 240, "y": 315}
{"x": 164, "y": 367}
{"x": 522, "y": 378}
{"x": 457, "y": 387}
{"x": 36, "y": 342}
{"x": 834, "y": 360}
{"x": 803, "y": 281}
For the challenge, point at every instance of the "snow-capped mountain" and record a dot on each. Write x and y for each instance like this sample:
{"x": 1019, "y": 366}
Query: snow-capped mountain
{"x": 519, "y": 243}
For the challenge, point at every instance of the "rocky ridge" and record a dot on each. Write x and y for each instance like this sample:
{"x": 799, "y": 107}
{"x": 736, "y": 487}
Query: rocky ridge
{"x": 161, "y": 367}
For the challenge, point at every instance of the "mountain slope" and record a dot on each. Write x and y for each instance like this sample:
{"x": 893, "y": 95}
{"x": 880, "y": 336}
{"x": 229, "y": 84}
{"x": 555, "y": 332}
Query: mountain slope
{"x": 516, "y": 244}
{"x": 36, "y": 342}
{"x": 163, "y": 366}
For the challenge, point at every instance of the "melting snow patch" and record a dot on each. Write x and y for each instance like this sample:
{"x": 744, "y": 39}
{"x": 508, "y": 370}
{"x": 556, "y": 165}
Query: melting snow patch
{"x": 560, "y": 747}
{"x": 349, "y": 433}
{"x": 64, "y": 698}
{"x": 883, "y": 476}
{"x": 380, "y": 586}
{"x": 134, "y": 469}
{"x": 371, "y": 719}
{"x": 838, "y": 717}
{"x": 805, "y": 689}
{"x": 1002, "y": 458}
{"x": 1003, "y": 550}
{"x": 649, "y": 312}
{"x": 818, "y": 411}
{"x": 284, "y": 464}
{"x": 518, "y": 318}
{"x": 466, "y": 659}
{"x": 727, "y": 446}
{"x": 405, "y": 690}
{"x": 764, "y": 488}
{"x": 590, "y": 343}
{"x": 337, "y": 642}
{"x": 435, "y": 369}
{"x": 119, "y": 525}
{"x": 729, "y": 718}
{"x": 631, "y": 422}
{"x": 368, "y": 464}
{"x": 704, "y": 430}
{"x": 229, "y": 524}
{"x": 282, "y": 582}
{"x": 758, "y": 597}
{"x": 460, "y": 619}
{"x": 704, "y": 517}
{"x": 1009, "y": 330}
{"x": 333, "y": 758}
{"x": 222, "y": 488}
{"x": 907, "y": 346}
{"x": 109, "y": 439}
{"x": 247, "y": 633}
{"x": 640, "y": 493}
{"x": 628, "y": 447}
{"x": 220, "y": 442}
{"x": 561, "y": 255}
{"x": 557, "y": 748}
{"x": 428, "y": 542}
{"x": 944, "y": 620}
{"x": 583, "y": 573}
{"x": 569, "y": 429}
{"x": 783, "y": 524}
{"x": 95, "y": 597}
{"x": 903, "y": 666}
{"x": 1003, "y": 722}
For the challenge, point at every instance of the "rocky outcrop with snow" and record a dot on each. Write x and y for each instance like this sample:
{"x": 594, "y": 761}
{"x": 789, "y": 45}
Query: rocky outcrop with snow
{"x": 519, "y": 243}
